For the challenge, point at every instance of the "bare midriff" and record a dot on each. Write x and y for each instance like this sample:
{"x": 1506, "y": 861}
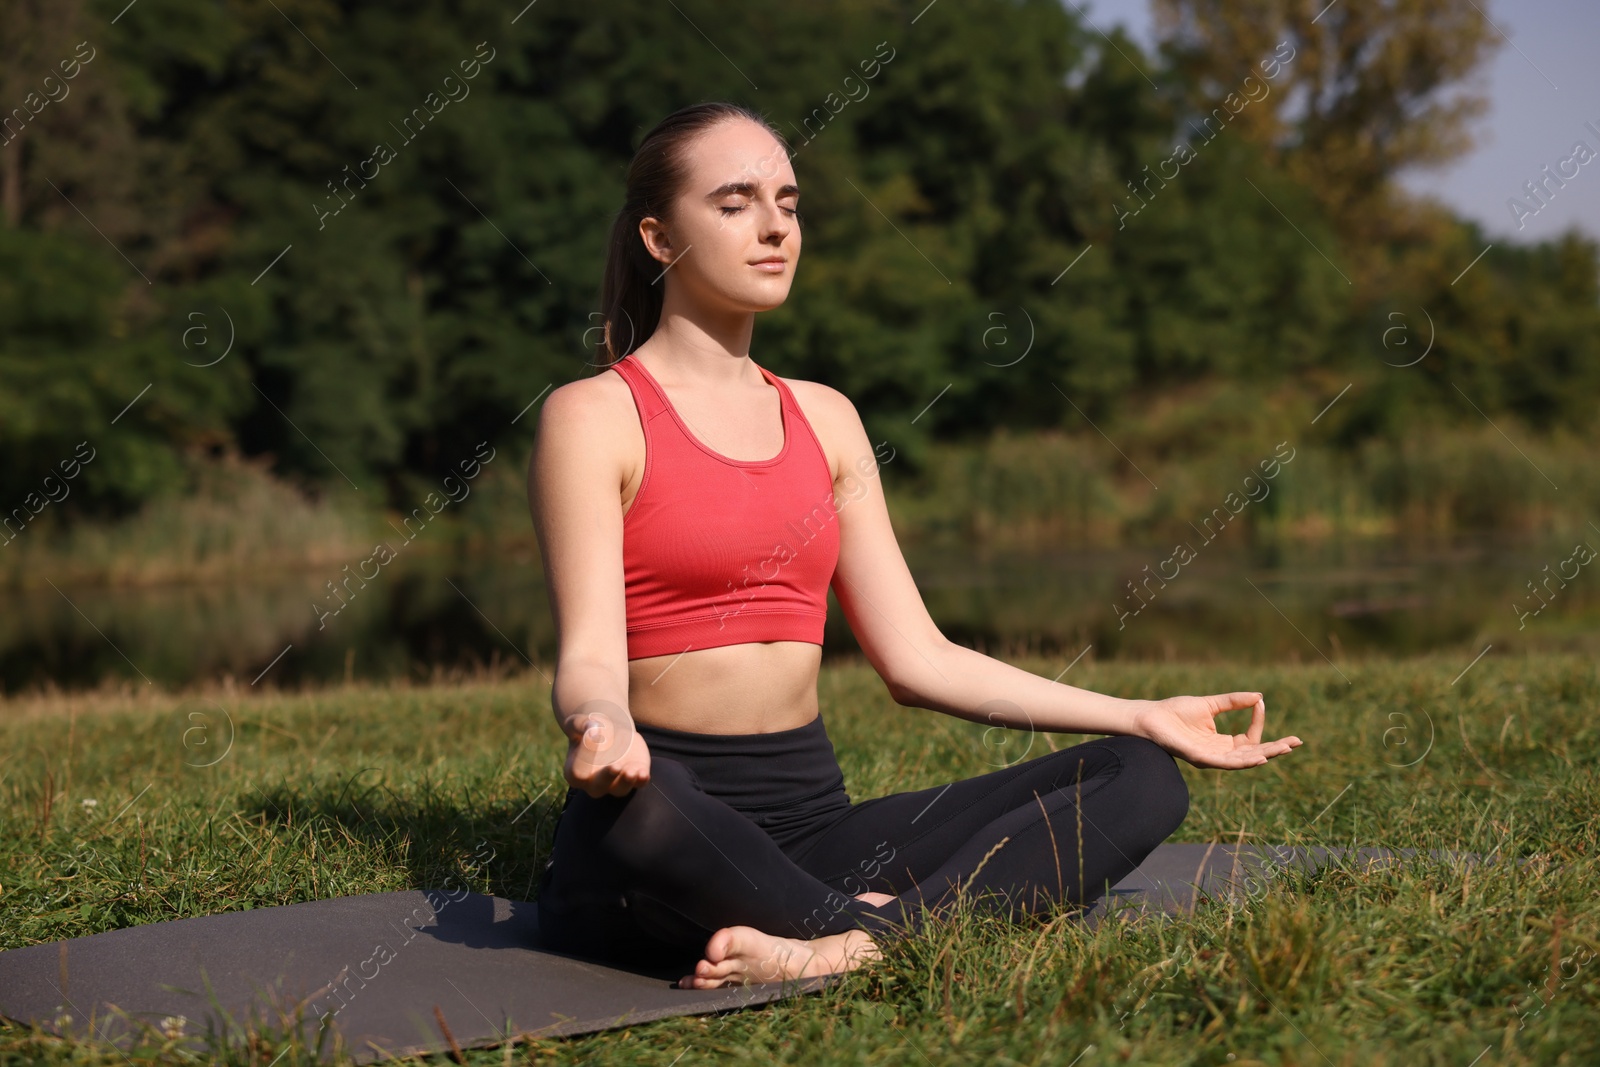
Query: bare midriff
{"x": 750, "y": 688}
{"x": 753, "y": 688}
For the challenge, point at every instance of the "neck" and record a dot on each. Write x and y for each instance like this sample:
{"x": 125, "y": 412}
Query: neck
{"x": 702, "y": 348}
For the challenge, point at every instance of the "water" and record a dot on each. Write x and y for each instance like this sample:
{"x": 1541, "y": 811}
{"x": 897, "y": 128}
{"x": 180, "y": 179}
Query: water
{"x": 418, "y": 617}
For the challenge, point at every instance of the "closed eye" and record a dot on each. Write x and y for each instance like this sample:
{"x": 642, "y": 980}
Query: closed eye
{"x": 735, "y": 210}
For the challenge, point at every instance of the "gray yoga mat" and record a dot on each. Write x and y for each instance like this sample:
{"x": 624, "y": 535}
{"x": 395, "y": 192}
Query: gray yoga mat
{"x": 1176, "y": 877}
{"x": 406, "y": 972}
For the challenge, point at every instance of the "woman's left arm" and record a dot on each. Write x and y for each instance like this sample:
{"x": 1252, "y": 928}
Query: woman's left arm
{"x": 922, "y": 668}
{"x": 979, "y": 688}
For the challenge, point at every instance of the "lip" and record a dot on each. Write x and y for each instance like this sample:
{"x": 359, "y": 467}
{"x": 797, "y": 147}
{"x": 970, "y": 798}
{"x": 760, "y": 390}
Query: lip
{"x": 775, "y": 265}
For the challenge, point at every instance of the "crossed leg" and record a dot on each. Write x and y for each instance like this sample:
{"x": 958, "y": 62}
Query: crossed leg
{"x": 1060, "y": 827}
{"x": 669, "y": 869}
{"x": 652, "y": 875}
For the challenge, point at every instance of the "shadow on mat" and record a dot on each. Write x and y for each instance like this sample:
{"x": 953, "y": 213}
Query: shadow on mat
{"x": 510, "y": 843}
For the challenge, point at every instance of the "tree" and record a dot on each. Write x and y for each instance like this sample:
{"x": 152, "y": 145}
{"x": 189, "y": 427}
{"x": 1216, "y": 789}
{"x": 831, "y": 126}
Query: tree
{"x": 1363, "y": 96}
{"x": 66, "y": 140}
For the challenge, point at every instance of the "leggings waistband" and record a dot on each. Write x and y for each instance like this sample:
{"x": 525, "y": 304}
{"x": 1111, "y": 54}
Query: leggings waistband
{"x": 755, "y": 772}
{"x": 693, "y": 744}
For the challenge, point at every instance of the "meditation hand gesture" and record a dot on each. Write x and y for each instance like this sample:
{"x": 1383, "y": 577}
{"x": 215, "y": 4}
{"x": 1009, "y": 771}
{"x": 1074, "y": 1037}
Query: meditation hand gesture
{"x": 605, "y": 754}
{"x": 1185, "y": 726}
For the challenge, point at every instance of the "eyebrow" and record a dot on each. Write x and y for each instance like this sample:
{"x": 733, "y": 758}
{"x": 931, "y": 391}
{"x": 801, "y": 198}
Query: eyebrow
{"x": 747, "y": 188}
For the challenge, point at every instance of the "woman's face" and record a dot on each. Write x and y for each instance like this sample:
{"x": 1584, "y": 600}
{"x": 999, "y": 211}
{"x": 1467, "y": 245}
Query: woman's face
{"x": 737, "y": 208}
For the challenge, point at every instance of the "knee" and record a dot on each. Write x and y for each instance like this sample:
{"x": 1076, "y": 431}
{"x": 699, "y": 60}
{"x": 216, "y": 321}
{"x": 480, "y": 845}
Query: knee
{"x": 1153, "y": 784}
{"x": 650, "y": 828}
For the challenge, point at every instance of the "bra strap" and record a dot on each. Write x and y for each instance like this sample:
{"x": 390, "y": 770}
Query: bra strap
{"x": 646, "y": 397}
{"x": 784, "y": 391}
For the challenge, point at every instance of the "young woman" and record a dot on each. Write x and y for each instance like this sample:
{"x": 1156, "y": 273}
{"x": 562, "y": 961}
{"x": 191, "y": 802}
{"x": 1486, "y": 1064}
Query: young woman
{"x": 693, "y": 510}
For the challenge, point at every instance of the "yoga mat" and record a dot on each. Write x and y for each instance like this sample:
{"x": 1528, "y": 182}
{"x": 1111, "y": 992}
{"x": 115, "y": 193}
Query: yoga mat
{"x": 379, "y": 965}
{"x": 1176, "y": 877}
{"x": 386, "y": 968}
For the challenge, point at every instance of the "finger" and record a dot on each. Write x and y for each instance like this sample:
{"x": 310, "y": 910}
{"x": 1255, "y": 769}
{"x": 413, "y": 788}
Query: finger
{"x": 1246, "y": 756}
{"x": 1273, "y": 748}
{"x": 1221, "y": 703}
{"x": 1237, "y": 760}
{"x": 1258, "y": 719}
{"x": 1230, "y": 760}
{"x": 602, "y": 776}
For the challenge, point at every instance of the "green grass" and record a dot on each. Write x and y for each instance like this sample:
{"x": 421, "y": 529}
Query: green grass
{"x": 367, "y": 789}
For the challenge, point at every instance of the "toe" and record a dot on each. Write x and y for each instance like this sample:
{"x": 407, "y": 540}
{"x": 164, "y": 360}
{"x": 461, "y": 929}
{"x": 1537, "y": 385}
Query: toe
{"x": 720, "y": 945}
{"x": 725, "y": 969}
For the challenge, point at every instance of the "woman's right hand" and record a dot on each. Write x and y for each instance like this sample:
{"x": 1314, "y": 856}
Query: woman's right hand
{"x": 606, "y": 756}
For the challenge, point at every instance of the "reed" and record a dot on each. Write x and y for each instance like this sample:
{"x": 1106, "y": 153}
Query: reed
{"x": 1049, "y": 489}
{"x": 238, "y": 519}
{"x": 1038, "y": 490}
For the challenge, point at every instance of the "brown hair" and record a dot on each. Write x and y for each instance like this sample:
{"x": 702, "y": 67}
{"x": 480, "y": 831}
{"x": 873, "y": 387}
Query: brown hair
{"x": 630, "y": 302}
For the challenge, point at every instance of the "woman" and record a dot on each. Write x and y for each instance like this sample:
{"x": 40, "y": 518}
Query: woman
{"x": 685, "y": 502}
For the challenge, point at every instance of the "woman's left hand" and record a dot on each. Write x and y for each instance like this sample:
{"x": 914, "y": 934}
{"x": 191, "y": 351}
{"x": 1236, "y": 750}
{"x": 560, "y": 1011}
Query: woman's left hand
{"x": 1185, "y": 726}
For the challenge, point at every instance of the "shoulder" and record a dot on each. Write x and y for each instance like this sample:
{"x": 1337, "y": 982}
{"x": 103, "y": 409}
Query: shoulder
{"x": 599, "y": 404}
{"x": 835, "y": 422}
{"x": 594, "y": 417}
{"x": 823, "y": 403}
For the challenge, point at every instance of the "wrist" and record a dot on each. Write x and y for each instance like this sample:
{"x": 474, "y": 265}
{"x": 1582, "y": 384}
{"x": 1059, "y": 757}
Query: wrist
{"x": 608, "y": 714}
{"x": 1139, "y": 714}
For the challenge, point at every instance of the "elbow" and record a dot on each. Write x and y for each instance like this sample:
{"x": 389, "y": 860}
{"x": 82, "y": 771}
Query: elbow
{"x": 900, "y": 693}
{"x": 912, "y": 685}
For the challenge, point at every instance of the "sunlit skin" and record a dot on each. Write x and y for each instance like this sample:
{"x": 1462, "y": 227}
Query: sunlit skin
{"x": 739, "y": 206}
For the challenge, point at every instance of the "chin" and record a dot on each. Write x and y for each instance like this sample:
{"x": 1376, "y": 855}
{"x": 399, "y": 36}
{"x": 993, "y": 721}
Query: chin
{"x": 762, "y": 299}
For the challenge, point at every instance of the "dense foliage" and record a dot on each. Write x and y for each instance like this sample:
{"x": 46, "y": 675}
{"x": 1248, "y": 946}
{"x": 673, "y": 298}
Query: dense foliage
{"x": 391, "y": 217}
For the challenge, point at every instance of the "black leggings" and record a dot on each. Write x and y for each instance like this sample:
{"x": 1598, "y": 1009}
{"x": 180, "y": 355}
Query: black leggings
{"x": 757, "y": 830}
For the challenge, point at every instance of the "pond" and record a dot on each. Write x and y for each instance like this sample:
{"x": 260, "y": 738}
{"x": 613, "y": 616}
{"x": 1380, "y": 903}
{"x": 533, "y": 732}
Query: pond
{"x": 420, "y": 617}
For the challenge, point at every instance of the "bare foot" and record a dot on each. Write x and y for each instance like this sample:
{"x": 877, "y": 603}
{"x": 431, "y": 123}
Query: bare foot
{"x": 875, "y": 898}
{"x": 737, "y": 955}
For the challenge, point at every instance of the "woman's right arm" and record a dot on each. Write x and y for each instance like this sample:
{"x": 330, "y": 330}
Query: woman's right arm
{"x": 574, "y": 494}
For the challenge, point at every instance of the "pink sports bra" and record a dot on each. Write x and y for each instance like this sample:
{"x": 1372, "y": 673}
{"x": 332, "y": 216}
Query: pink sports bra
{"x": 720, "y": 551}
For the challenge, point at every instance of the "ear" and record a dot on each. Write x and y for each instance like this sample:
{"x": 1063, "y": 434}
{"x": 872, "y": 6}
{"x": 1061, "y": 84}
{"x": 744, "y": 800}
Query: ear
{"x": 656, "y": 241}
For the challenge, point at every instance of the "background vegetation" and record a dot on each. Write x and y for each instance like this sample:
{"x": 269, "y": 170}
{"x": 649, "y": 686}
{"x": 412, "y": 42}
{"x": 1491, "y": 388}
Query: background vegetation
{"x": 176, "y": 201}
{"x": 1058, "y": 347}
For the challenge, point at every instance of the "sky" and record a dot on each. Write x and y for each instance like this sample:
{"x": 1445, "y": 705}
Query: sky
{"x": 1543, "y": 85}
